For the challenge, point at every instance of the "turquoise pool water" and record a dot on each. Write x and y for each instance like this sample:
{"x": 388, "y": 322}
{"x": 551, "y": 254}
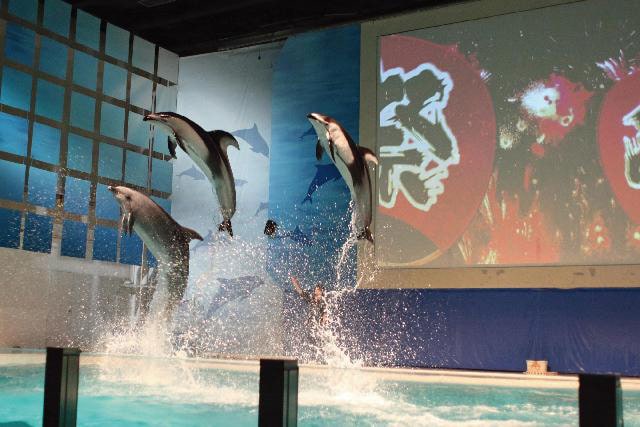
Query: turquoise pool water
{"x": 158, "y": 392}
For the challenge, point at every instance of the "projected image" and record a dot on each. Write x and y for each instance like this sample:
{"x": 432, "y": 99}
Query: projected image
{"x": 511, "y": 140}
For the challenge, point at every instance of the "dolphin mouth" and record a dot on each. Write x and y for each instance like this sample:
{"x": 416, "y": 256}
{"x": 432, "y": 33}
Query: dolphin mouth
{"x": 318, "y": 118}
{"x": 155, "y": 117}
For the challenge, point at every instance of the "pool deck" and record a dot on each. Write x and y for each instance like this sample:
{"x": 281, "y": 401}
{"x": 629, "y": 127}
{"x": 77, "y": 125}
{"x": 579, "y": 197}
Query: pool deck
{"x": 442, "y": 376}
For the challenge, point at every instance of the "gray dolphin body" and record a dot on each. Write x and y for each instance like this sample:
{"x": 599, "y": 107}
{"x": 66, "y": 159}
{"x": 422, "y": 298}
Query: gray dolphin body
{"x": 209, "y": 151}
{"x": 353, "y": 162}
{"x": 167, "y": 240}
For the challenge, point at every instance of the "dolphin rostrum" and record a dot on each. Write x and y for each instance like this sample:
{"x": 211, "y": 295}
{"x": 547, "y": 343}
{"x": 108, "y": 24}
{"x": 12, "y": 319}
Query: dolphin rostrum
{"x": 167, "y": 240}
{"x": 353, "y": 162}
{"x": 209, "y": 151}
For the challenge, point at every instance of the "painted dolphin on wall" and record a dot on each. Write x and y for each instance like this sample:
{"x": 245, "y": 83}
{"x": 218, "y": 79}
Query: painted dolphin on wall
{"x": 261, "y": 207}
{"x": 192, "y": 172}
{"x": 208, "y": 240}
{"x": 233, "y": 289}
{"x": 204, "y": 243}
{"x": 209, "y": 151}
{"x": 324, "y": 174}
{"x": 273, "y": 230}
{"x": 254, "y": 139}
{"x": 353, "y": 163}
{"x": 309, "y": 132}
{"x": 167, "y": 240}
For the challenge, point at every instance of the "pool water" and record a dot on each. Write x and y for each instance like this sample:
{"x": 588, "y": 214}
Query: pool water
{"x": 169, "y": 392}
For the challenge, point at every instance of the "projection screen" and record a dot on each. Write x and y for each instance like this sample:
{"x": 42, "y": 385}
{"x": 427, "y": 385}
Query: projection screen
{"x": 508, "y": 135}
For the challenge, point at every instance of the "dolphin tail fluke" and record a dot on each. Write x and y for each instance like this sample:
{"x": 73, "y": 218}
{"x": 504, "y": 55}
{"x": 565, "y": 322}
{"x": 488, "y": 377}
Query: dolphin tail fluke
{"x": 366, "y": 234}
{"x": 191, "y": 234}
{"x": 226, "y": 226}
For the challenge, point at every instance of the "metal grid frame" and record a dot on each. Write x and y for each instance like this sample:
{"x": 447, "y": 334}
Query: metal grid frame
{"x": 58, "y": 213}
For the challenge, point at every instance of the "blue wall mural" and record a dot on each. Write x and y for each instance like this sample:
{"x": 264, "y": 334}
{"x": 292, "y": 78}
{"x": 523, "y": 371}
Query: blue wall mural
{"x": 315, "y": 72}
{"x": 65, "y": 133}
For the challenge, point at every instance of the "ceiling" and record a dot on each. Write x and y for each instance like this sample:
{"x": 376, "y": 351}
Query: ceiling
{"x": 189, "y": 27}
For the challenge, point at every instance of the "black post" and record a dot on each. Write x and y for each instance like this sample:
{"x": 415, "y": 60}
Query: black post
{"x": 600, "y": 401}
{"x": 61, "y": 387}
{"x": 278, "y": 393}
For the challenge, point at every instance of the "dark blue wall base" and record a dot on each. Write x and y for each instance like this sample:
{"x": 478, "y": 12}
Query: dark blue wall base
{"x": 579, "y": 330}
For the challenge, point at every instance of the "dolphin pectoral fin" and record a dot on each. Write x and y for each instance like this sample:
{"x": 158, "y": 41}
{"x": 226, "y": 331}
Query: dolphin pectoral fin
{"x": 224, "y": 139}
{"x": 368, "y": 156}
{"x": 319, "y": 150}
{"x": 190, "y": 234}
{"x": 123, "y": 221}
{"x": 172, "y": 143}
{"x": 332, "y": 150}
{"x": 131, "y": 219}
{"x": 226, "y": 226}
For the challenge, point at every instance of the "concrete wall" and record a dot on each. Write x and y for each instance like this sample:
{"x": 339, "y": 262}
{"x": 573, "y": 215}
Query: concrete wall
{"x": 48, "y": 300}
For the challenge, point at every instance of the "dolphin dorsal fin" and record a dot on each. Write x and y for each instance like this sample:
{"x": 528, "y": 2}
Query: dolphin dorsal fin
{"x": 368, "y": 156}
{"x": 224, "y": 139}
{"x": 190, "y": 234}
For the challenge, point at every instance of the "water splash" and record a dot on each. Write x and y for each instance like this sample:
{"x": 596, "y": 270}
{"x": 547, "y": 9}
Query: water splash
{"x": 345, "y": 249}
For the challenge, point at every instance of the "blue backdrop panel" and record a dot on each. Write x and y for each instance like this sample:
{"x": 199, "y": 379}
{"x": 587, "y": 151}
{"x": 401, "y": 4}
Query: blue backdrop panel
{"x": 315, "y": 72}
{"x": 580, "y": 330}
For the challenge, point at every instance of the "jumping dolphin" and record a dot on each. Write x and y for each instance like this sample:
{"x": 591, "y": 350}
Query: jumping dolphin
{"x": 353, "y": 162}
{"x": 209, "y": 151}
{"x": 167, "y": 240}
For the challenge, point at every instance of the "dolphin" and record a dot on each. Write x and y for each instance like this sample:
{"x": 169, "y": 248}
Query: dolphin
{"x": 353, "y": 163}
{"x": 299, "y": 237}
{"x": 192, "y": 172}
{"x": 272, "y": 230}
{"x": 209, "y": 151}
{"x": 238, "y": 288}
{"x": 209, "y": 239}
{"x": 324, "y": 174}
{"x": 167, "y": 240}
{"x": 262, "y": 206}
{"x": 254, "y": 139}
{"x": 241, "y": 182}
{"x": 205, "y": 242}
{"x": 309, "y": 132}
